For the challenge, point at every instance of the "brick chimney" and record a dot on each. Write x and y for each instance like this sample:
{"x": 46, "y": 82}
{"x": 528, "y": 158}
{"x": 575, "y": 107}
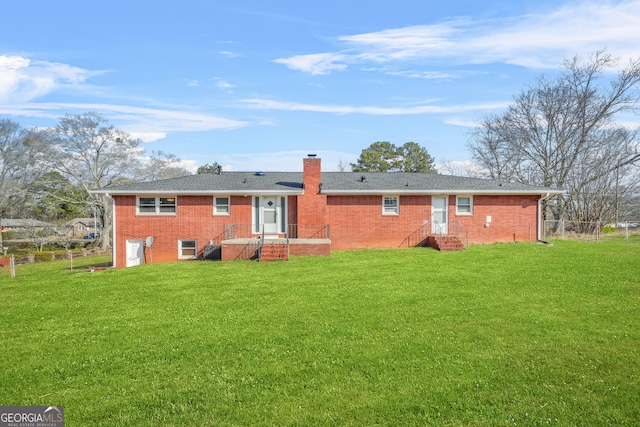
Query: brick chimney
{"x": 312, "y": 176}
{"x": 312, "y": 205}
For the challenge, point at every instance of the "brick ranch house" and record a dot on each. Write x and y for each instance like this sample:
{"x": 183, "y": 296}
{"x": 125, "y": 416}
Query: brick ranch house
{"x": 267, "y": 215}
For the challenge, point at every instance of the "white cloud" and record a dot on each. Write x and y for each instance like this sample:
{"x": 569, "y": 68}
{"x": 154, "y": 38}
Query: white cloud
{"x": 229, "y": 54}
{"x": 283, "y": 161}
{"x": 223, "y": 84}
{"x": 317, "y": 63}
{"x": 190, "y": 165}
{"x": 148, "y": 136}
{"x": 379, "y": 111}
{"x": 145, "y": 122}
{"x": 534, "y": 40}
{"x": 456, "y": 121}
{"x": 23, "y": 79}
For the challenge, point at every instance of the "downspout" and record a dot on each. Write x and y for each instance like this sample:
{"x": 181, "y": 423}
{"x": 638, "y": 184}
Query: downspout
{"x": 113, "y": 231}
{"x": 539, "y": 233}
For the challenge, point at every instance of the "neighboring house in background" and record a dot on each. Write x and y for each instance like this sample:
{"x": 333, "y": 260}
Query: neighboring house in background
{"x": 81, "y": 226}
{"x": 313, "y": 212}
{"x": 23, "y": 224}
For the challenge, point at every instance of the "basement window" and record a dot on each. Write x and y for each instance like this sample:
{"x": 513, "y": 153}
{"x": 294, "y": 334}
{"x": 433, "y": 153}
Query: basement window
{"x": 464, "y": 205}
{"x": 390, "y": 205}
{"x": 187, "y": 249}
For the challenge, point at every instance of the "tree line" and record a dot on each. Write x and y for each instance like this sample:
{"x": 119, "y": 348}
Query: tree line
{"x": 47, "y": 173}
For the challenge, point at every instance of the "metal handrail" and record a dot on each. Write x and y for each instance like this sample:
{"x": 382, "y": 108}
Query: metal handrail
{"x": 417, "y": 237}
{"x": 438, "y": 232}
{"x": 260, "y": 245}
{"x": 293, "y": 231}
{"x": 459, "y": 231}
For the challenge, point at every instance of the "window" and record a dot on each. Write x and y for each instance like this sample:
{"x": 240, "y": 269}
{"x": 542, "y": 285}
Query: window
{"x": 390, "y": 205}
{"x": 464, "y": 205}
{"x": 157, "y": 205}
{"x": 147, "y": 205}
{"x": 187, "y": 249}
{"x": 167, "y": 204}
{"x": 221, "y": 205}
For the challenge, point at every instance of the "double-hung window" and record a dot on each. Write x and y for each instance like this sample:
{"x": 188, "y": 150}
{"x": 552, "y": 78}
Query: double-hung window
{"x": 390, "y": 205}
{"x": 221, "y": 205}
{"x": 464, "y": 205}
{"x": 157, "y": 205}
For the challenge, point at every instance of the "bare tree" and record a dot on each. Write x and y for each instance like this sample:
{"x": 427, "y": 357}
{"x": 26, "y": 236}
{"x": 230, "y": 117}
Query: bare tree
{"x": 20, "y": 164}
{"x": 92, "y": 153}
{"x": 563, "y": 133}
{"x": 40, "y": 236}
{"x": 343, "y": 166}
{"x": 161, "y": 165}
{"x": 460, "y": 168}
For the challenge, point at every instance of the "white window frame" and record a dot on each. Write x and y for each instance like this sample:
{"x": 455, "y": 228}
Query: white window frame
{"x": 464, "y": 196}
{"x": 157, "y": 205}
{"x": 390, "y": 210}
{"x": 181, "y": 249}
{"x": 216, "y": 206}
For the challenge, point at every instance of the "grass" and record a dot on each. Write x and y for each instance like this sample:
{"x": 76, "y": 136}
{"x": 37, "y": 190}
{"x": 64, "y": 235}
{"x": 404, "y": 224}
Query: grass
{"x": 507, "y": 334}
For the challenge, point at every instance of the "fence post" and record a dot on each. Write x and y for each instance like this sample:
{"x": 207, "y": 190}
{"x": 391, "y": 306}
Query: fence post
{"x": 562, "y": 227}
{"x": 12, "y": 266}
{"x": 598, "y": 231}
{"x": 626, "y": 231}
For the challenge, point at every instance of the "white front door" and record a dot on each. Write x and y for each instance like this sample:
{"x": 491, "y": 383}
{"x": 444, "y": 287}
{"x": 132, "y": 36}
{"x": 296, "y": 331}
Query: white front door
{"x": 439, "y": 214}
{"x": 135, "y": 252}
{"x": 270, "y": 211}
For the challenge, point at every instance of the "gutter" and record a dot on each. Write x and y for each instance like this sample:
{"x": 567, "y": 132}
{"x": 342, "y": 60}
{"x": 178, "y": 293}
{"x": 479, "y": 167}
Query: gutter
{"x": 247, "y": 192}
{"x": 439, "y": 192}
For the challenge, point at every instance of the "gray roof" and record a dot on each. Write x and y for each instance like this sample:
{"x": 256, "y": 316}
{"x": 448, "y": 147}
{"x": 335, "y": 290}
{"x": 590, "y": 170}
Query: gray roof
{"x": 23, "y": 222}
{"x": 420, "y": 183}
{"x": 213, "y": 183}
{"x": 249, "y": 183}
{"x": 85, "y": 221}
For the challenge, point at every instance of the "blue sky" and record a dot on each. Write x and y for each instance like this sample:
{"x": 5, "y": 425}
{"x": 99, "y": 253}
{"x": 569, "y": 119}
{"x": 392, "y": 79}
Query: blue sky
{"x": 256, "y": 85}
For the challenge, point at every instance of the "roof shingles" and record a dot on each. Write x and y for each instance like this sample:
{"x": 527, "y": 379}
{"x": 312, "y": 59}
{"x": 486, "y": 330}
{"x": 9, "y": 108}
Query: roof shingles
{"x": 332, "y": 183}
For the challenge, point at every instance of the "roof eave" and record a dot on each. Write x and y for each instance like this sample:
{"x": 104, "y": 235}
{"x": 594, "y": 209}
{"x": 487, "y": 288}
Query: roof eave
{"x": 198, "y": 193}
{"x": 542, "y": 192}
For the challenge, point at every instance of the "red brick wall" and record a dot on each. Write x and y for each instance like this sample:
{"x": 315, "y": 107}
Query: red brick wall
{"x": 231, "y": 251}
{"x": 194, "y": 220}
{"x": 357, "y": 221}
{"x": 317, "y": 249}
{"x": 513, "y": 218}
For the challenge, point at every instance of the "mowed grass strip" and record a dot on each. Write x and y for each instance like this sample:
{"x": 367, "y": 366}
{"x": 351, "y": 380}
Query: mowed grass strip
{"x": 508, "y": 334}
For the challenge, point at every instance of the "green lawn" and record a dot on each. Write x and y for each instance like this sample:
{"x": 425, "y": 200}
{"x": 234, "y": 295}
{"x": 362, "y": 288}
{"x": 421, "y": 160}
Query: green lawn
{"x": 508, "y": 334}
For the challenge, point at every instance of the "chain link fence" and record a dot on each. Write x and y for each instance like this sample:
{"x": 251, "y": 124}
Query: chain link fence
{"x": 590, "y": 231}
